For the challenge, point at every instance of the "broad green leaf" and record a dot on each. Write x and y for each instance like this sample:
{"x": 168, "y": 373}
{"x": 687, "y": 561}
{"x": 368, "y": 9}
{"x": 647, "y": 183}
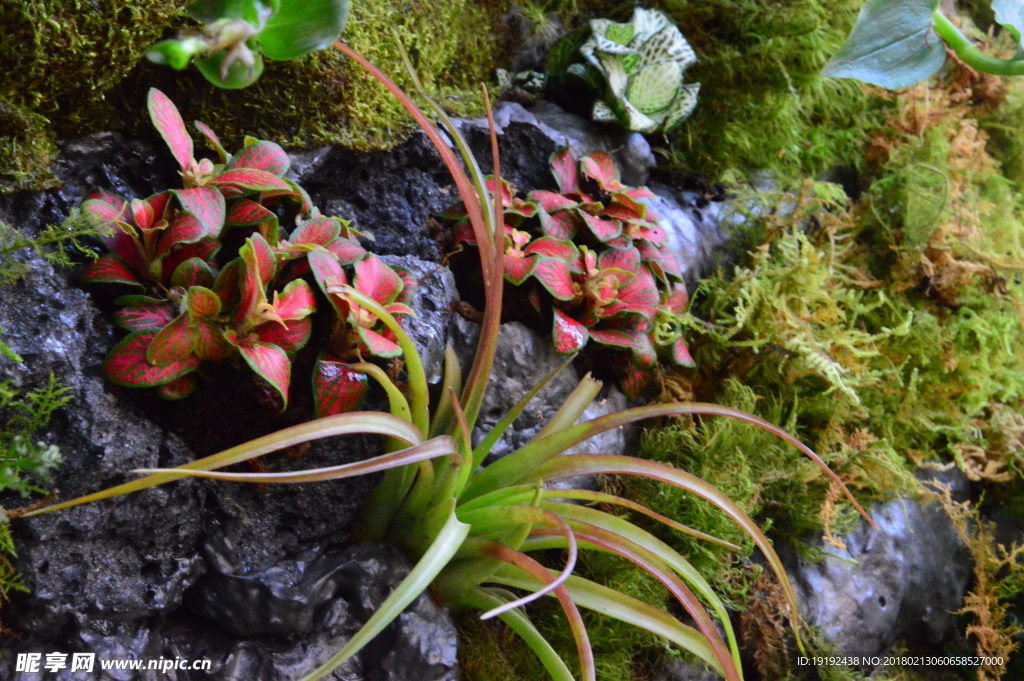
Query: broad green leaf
{"x": 893, "y": 44}
{"x": 299, "y": 27}
{"x": 175, "y": 53}
{"x": 239, "y": 74}
{"x": 1010, "y": 14}
{"x": 448, "y": 541}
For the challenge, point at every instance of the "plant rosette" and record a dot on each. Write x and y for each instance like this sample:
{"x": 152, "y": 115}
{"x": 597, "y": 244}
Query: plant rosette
{"x": 186, "y": 310}
{"x": 596, "y": 265}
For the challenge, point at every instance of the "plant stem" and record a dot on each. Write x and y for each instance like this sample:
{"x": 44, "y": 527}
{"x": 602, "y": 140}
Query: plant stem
{"x": 970, "y": 54}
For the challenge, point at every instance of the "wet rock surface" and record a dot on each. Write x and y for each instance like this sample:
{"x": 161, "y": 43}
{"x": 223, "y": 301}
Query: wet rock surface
{"x": 905, "y": 579}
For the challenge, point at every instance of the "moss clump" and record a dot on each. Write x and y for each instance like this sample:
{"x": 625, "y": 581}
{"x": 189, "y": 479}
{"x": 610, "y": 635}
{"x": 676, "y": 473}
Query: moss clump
{"x": 763, "y": 104}
{"x": 26, "y": 150}
{"x": 62, "y": 56}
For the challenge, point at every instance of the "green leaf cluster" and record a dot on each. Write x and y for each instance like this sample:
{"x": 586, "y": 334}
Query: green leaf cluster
{"x": 58, "y": 244}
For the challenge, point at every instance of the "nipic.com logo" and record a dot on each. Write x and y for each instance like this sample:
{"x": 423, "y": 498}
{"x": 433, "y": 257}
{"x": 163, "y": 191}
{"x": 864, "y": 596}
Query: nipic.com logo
{"x": 86, "y": 662}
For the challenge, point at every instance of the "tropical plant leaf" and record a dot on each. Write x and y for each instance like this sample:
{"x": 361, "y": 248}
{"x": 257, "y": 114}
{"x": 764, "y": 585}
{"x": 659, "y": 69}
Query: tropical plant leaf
{"x": 110, "y": 269}
{"x": 299, "y": 27}
{"x": 212, "y": 141}
{"x": 553, "y": 248}
{"x": 178, "y": 389}
{"x": 600, "y": 167}
{"x": 262, "y": 155}
{"x": 126, "y": 364}
{"x": 563, "y": 166}
{"x": 269, "y": 361}
{"x": 296, "y": 301}
{"x": 554, "y": 275}
{"x": 551, "y": 201}
{"x": 193, "y": 272}
{"x": 207, "y": 204}
{"x": 337, "y": 388}
{"x": 569, "y": 335}
{"x": 348, "y": 251}
{"x": 318, "y": 231}
{"x": 558, "y": 225}
{"x": 243, "y": 181}
{"x": 245, "y": 213}
{"x": 377, "y": 280}
{"x": 168, "y": 123}
{"x": 604, "y": 230}
{"x": 378, "y": 345}
{"x": 290, "y": 337}
{"x": 172, "y": 344}
{"x": 154, "y": 315}
{"x": 185, "y": 228}
{"x": 202, "y": 302}
{"x": 518, "y": 270}
{"x": 893, "y": 45}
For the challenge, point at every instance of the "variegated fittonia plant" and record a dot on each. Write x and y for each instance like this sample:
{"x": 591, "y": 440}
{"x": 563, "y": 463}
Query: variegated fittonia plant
{"x": 637, "y": 69}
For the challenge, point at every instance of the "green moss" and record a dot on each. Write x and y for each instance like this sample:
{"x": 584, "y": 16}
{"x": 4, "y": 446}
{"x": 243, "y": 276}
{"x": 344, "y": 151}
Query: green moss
{"x": 62, "y": 56}
{"x": 26, "y": 150}
{"x": 763, "y": 104}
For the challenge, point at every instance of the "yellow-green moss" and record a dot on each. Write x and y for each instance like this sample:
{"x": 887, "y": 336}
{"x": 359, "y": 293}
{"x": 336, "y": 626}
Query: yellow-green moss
{"x": 26, "y": 150}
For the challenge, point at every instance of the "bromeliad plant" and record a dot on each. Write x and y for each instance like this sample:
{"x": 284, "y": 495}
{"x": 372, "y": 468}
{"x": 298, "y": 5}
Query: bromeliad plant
{"x": 896, "y": 43}
{"x": 595, "y": 265}
{"x": 237, "y": 34}
{"x": 186, "y": 310}
{"x": 474, "y": 531}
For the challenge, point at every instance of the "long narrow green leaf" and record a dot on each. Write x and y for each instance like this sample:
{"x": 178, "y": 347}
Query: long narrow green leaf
{"x": 438, "y": 446}
{"x": 665, "y": 553}
{"x": 624, "y": 608}
{"x": 511, "y": 469}
{"x": 485, "y": 599}
{"x": 396, "y": 400}
{"x": 602, "y": 498}
{"x": 433, "y": 561}
{"x": 531, "y": 567}
{"x": 444, "y": 415}
{"x": 572, "y": 409}
{"x": 341, "y": 424}
{"x": 485, "y": 446}
{"x": 569, "y": 466}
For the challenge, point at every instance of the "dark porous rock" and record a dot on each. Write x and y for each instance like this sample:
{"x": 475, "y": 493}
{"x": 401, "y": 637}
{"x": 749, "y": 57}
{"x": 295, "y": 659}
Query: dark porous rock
{"x": 522, "y": 360}
{"x": 435, "y": 295}
{"x": 676, "y": 669}
{"x": 905, "y": 579}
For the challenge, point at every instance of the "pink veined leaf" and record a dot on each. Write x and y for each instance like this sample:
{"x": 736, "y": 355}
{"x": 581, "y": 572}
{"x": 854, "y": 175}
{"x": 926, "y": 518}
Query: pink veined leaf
{"x": 569, "y": 335}
{"x": 242, "y": 181}
{"x": 143, "y": 214}
{"x": 123, "y": 242}
{"x": 506, "y": 189}
{"x": 645, "y": 356}
{"x": 600, "y": 167}
{"x": 551, "y": 201}
{"x": 337, "y": 389}
{"x": 622, "y": 259}
{"x": 172, "y": 344}
{"x": 127, "y": 365}
{"x": 265, "y": 260}
{"x": 409, "y": 285}
{"x": 639, "y": 295}
{"x": 619, "y": 338}
{"x": 663, "y": 257}
{"x": 246, "y": 213}
{"x": 207, "y": 204}
{"x": 208, "y": 340}
{"x": 326, "y": 271}
{"x": 204, "y": 249}
{"x": 347, "y": 251}
{"x": 212, "y": 141}
{"x": 553, "y": 248}
{"x": 318, "y": 231}
{"x": 518, "y": 270}
{"x": 110, "y": 269}
{"x": 633, "y": 380}
{"x": 305, "y": 203}
{"x": 144, "y": 317}
{"x": 178, "y": 389}
{"x": 639, "y": 193}
{"x": 681, "y": 353}
{"x": 399, "y": 308}
{"x": 168, "y": 123}
{"x": 624, "y": 207}
{"x": 202, "y": 302}
{"x": 563, "y": 165}
{"x": 560, "y": 225}
{"x": 262, "y": 155}
{"x": 105, "y": 206}
{"x": 269, "y": 361}
{"x": 620, "y": 242}
{"x": 290, "y": 338}
{"x": 227, "y": 285}
{"x": 376, "y": 280}
{"x": 648, "y": 230}
{"x": 193, "y": 272}
{"x": 604, "y": 230}
{"x": 377, "y": 345}
{"x": 553, "y": 274}
{"x": 185, "y": 228}
{"x": 296, "y": 301}
{"x": 678, "y": 299}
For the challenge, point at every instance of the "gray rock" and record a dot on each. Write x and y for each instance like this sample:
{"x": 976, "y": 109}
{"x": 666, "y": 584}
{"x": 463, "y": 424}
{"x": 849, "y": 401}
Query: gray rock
{"x": 675, "y": 669}
{"x": 630, "y": 150}
{"x": 905, "y": 579}
{"x": 432, "y": 303}
{"x": 522, "y": 359}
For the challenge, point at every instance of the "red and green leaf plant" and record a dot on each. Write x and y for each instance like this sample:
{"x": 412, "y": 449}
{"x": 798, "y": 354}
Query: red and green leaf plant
{"x": 473, "y": 531}
{"x": 593, "y": 263}
{"x": 185, "y": 310}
